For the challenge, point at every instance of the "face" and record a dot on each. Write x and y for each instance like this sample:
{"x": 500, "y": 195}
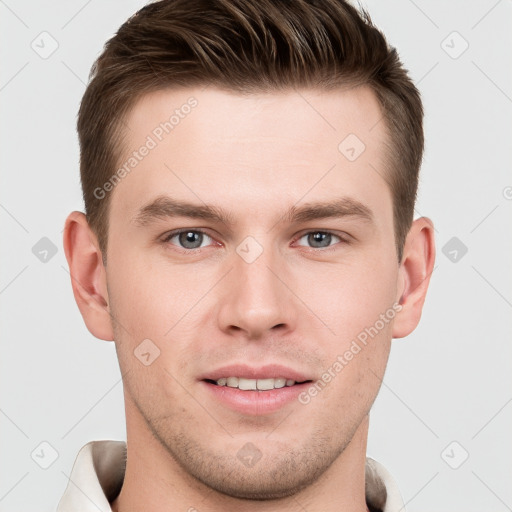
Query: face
{"x": 248, "y": 249}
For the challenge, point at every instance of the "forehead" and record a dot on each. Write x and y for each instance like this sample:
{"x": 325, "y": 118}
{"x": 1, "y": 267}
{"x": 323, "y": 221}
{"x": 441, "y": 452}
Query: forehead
{"x": 256, "y": 150}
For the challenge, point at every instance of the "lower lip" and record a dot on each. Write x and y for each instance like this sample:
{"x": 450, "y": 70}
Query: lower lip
{"x": 256, "y": 403}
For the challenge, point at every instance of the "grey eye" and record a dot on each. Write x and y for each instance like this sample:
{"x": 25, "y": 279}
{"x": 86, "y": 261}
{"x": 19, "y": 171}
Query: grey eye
{"x": 319, "y": 239}
{"x": 190, "y": 239}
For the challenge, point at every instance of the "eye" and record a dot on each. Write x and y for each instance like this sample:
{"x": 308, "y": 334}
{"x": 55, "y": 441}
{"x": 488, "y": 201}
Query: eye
{"x": 319, "y": 239}
{"x": 189, "y": 239}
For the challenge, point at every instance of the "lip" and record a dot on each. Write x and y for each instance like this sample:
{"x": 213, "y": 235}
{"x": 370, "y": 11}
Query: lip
{"x": 255, "y": 403}
{"x": 269, "y": 371}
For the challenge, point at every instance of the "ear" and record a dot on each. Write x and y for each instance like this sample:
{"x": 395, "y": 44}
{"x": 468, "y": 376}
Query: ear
{"x": 414, "y": 275}
{"x": 88, "y": 275}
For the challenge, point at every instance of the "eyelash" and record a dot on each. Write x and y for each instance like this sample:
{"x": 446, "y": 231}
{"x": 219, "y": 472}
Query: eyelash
{"x": 175, "y": 233}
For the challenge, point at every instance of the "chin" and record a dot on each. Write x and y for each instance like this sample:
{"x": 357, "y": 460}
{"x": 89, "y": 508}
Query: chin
{"x": 260, "y": 486}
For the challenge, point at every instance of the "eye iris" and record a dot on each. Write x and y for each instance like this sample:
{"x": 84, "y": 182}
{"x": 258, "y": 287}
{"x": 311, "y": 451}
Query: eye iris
{"x": 319, "y": 239}
{"x": 191, "y": 239}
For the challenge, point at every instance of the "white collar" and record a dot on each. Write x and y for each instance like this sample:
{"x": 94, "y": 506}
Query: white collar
{"x": 98, "y": 473}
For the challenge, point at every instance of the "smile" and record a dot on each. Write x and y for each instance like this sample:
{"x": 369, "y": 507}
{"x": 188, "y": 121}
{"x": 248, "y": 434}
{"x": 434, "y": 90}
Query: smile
{"x": 253, "y": 384}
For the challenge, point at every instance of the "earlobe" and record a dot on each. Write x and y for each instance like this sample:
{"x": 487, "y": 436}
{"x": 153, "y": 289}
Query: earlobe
{"x": 88, "y": 276}
{"x": 414, "y": 275}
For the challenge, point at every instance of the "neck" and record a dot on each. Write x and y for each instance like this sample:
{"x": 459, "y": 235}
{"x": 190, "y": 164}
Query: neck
{"x": 156, "y": 483}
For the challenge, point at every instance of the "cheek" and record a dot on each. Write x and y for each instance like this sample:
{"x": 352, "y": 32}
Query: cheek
{"x": 146, "y": 299}
{"x": 356, "y": 302}
{"x": 152, "y": 300}
{"x": 147, "y": 306}
{"x": 350, "y": 297}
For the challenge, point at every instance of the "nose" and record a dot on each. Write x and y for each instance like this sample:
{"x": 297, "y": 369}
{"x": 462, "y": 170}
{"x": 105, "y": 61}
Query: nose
{"x": 255, "y": 299}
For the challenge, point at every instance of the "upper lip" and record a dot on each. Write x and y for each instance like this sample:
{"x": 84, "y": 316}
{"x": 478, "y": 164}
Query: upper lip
{"x": 269, "y": 371}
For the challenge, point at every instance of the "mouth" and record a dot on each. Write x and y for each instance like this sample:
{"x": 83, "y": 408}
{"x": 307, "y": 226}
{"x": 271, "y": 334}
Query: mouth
{"x": 255, "y": 391}
{"x": 245, "y": 384}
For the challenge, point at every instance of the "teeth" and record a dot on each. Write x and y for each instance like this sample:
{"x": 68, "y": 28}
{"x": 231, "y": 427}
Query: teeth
{"x": 254, "y": 384}
{"x": 232, "y": 382}
{"x": 265, "y": 384}
{"x": 279, "y": 383}
{"x": 246, "y": 384}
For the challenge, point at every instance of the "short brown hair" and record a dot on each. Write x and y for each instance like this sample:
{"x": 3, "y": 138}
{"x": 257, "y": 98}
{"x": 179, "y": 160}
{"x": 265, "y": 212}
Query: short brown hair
{"x": 247, "y": 46}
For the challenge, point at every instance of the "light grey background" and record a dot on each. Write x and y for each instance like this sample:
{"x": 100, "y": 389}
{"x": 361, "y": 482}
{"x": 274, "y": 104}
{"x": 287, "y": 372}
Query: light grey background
{"x": 449, "y": 381}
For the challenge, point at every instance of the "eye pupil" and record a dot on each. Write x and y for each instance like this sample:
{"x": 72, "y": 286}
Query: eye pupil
{"x": 191, "y": 239}
{"x": 319, "y": 239}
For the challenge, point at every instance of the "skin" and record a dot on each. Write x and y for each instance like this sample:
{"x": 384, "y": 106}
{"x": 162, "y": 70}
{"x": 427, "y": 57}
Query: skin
{"x": 297, "y": 304}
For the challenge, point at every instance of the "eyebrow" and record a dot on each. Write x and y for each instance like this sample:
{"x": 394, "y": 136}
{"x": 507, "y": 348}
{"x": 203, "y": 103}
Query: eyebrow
{"x": 339, "y": 208}
{"x": 166, "y": 207}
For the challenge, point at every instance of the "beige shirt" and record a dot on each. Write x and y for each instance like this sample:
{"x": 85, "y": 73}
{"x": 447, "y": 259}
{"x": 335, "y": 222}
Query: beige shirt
{"x": 98, "y": 473}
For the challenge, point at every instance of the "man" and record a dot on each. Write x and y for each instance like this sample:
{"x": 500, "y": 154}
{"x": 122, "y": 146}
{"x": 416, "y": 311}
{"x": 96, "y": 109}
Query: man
{"x": 249, "y": 172}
